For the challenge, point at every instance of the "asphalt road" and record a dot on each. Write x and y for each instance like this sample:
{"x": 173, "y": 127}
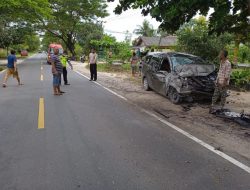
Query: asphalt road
{"x": 93, "y": 140}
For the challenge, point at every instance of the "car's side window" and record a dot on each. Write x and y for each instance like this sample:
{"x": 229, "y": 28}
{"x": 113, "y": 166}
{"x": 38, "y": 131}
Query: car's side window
{"x": 165, "y": 66}
{"x": 147, "y": 59}
{"x": 155, "y": 62}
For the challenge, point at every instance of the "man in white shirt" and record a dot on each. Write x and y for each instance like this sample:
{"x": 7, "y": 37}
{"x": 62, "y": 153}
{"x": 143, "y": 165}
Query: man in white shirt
{"x": 93, "y": 66}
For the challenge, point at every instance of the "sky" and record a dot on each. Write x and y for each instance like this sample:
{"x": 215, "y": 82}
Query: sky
{"x": 116, "y": 25}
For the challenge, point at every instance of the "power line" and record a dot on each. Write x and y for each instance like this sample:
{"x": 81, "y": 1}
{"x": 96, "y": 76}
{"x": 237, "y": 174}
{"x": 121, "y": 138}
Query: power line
{"x": 114, "y": 18}
{"x": 117, "y": 32}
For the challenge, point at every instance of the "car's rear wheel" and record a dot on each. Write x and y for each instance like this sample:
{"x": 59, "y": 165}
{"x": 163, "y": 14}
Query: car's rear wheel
{"x": 174, "y": 96}
{"x": 145, "y": 84}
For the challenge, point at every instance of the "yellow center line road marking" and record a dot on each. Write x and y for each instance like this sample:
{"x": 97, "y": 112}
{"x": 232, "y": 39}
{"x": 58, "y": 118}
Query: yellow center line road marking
{"x": 41, "y": 77}
{"x": 41, "y": 114}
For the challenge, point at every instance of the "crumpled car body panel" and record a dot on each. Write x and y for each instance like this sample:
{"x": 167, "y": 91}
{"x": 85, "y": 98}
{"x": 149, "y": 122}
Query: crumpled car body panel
{"x": 194, "y": 70}
{"x": 192, "y": 79}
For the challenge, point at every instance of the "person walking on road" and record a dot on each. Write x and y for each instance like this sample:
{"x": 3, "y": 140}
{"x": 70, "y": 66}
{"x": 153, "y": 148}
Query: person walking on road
{"x": 57, "y": 70}
{"x": 93, "y": 65}
{"x": 222, "y": 82}
{"x": 64, "y": 60}
{"x": 11, "y": 68}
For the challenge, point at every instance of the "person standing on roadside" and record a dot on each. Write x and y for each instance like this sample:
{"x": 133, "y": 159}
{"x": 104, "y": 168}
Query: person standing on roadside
{"x": 133, "y": 62}
{"x": 64, "y": 60}
{"x": 222, "y": 81}
{"x": 93, "y": 65}
{"x": 57, "y": 70}
{"x": 11, "y": 68}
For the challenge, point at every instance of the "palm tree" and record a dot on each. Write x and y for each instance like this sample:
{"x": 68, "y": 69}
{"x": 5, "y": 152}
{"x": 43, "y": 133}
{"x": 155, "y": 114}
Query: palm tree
{"x": 145, "y": 30}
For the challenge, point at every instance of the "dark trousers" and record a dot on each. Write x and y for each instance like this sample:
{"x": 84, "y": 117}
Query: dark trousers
{"x": 65, "y": 75}
{"x": 93, "y": 72}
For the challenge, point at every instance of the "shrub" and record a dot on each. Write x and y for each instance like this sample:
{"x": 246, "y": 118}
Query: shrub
{"x": 244, "y": 54}
{"x": 240, "y": 77}
{"x": 3, "y": 53}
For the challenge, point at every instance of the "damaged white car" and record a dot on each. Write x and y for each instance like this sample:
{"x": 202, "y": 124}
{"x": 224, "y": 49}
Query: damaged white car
{"x": 178, "y": 75}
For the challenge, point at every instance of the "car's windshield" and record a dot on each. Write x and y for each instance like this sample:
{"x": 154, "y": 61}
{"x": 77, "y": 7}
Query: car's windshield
{"x": 179, "y": 59}
{"x": 60, "y": 50}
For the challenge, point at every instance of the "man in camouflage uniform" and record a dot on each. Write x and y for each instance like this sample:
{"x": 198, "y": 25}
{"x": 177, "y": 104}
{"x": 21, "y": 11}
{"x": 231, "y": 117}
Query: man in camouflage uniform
{"x": 222, "y": 81}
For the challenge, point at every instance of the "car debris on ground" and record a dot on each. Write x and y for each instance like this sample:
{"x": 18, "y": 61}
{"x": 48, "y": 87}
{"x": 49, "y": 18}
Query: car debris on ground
{"x": 240, "y": 118}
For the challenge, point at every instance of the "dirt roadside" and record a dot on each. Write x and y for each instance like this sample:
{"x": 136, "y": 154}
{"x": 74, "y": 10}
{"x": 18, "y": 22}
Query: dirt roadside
{"x": 224, "y": 135}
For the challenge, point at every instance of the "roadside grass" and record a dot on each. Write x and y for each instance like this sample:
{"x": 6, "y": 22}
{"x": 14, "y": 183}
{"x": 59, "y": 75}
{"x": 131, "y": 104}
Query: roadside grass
{"x": 1, "y": 68}
{"x": 2, "y": 53}
{"x": 119, "y": 69}
{"x": 109, "y": 68}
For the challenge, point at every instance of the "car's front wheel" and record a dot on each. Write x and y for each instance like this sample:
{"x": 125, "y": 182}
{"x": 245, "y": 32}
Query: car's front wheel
{"x": 174, "y": 96}
{"x": 145, "y": 84}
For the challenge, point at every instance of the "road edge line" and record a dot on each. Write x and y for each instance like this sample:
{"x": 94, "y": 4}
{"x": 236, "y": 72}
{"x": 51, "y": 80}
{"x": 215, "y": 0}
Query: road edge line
{"x": 111, "y": 91}
{"x": 200, "y": 142}
{"x": 186, "y": 134}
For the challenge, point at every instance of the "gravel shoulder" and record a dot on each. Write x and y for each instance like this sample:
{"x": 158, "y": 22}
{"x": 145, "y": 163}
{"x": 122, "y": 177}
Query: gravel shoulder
{"x": 223, "y": 134}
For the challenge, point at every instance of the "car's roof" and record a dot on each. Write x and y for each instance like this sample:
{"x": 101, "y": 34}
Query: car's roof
{"x": 164, "y": 54}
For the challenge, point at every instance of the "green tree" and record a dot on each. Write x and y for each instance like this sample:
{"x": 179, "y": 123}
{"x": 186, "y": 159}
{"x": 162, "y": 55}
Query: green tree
{"x": 146, "y": 29}
{"x": 49, "y": 38}
{"x": 193, "y": 38}
{"x": 17, "y": 18}
{"x": 106, "y": 41}
{"x": 87, "y": 32}
{"x": 13, "y": 33}
{"x": 228, "y": 16}
{"x": 31, "y": 43}
{"x": 68, "y": 15}
{"x": 121, "y": 50}
{"x": 28, "y": 10}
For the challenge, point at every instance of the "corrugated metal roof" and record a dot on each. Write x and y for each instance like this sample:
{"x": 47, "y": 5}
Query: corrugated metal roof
{"x": 157, "y": 41}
